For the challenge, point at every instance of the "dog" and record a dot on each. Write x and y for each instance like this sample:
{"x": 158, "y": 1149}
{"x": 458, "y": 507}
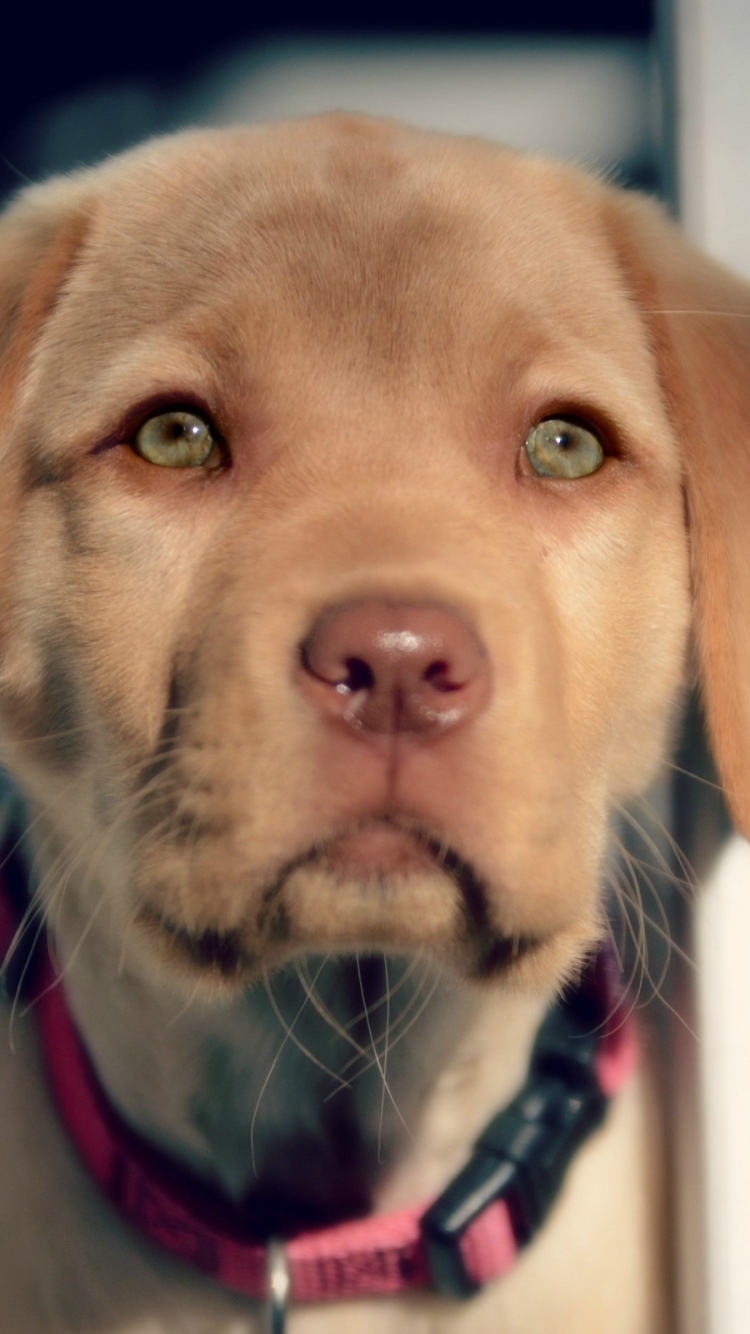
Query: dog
{"x": 369, "y": 500}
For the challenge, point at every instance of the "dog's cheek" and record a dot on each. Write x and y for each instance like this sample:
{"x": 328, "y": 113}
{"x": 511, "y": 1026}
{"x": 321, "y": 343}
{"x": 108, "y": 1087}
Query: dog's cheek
{"x": 622, "y": 603}
{"x": 93, "y": 602}
{"x": 38, "y": 702}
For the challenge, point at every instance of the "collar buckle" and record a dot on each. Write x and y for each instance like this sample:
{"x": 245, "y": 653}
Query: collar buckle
{"x": 522, "y": 1156}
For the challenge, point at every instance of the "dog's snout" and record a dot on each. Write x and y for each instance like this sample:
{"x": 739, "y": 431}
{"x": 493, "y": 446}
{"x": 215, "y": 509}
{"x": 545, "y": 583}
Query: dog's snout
{"x": 391, "y": 667}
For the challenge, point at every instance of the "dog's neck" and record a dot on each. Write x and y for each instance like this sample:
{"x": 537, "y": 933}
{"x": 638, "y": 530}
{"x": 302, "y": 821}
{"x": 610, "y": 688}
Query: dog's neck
{"x": 278, "y": 1098}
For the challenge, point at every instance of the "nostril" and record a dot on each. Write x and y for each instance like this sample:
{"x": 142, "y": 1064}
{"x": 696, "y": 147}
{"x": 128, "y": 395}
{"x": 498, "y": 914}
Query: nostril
{"x": 360, "y": 675}
{"x": 345, "y": 674}
{"x": 438, "y": 676}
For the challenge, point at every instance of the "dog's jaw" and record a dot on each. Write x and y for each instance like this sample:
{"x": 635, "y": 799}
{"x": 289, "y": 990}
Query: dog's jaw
{"x": 386, "y": 1059}
{"x": 375, "y": 886}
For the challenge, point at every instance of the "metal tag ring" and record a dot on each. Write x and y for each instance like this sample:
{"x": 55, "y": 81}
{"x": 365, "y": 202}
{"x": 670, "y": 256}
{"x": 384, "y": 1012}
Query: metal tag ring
{"x": 278, "y": 1284}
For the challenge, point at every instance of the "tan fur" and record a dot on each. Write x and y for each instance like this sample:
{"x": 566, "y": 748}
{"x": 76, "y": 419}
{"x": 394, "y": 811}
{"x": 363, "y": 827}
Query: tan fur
{"x": 374, "y": 319}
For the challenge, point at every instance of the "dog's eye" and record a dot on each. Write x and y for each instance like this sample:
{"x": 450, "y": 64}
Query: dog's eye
{"x": 561, "y": 447}
{"x": 176, "y": 439}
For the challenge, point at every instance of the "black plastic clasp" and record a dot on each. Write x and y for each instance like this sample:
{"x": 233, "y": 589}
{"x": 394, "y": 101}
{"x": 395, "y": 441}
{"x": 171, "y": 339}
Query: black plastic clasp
{"x": 524, "y": 1153}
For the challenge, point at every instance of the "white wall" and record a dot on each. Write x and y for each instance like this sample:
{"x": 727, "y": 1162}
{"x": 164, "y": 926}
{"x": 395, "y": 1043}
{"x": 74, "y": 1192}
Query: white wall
{"x": 712, "y": 54}
{"x": 590, "y": 100}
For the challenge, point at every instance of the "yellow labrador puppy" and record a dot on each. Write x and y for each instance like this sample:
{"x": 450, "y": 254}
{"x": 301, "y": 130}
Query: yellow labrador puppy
{"x": 360, "y": 492}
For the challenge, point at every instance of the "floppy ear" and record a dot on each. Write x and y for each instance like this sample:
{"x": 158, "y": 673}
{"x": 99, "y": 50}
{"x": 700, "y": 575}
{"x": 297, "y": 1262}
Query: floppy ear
{"x": 698, "y": 317}
{"x": 39, "y": 236}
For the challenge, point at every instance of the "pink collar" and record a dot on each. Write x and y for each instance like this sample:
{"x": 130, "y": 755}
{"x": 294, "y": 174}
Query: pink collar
{"x": 584, "y": 1052}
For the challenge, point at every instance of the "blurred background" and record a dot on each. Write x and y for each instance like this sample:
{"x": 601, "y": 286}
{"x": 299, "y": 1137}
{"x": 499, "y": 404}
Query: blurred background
{"x": 572, "y": 79}
{"x": 653, "y": 93}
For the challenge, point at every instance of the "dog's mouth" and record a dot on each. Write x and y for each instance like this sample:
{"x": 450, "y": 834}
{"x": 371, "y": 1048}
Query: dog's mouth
{"x": 378, "y": 885}
{"x": 378, "y": 848}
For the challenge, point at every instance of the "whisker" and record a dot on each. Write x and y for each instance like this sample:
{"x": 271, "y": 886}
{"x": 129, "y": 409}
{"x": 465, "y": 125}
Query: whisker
{"x": 301, "y": 1046}
{"x": 663, "y": 1000}
{"x": 288, "y": 1034}
{"x": 62, "y": 972}
{"x": 697, "y": 778}
{"x": 689, "y": 882}
{"x": 688, "y": 310}
{"x": 188, "y": 1003}
{"x": 385, "y": 1061}
{"x": 392, "y": 992}
{"x": 325, "y": 1013}
{"x": 408, "y": 1006}
{"x": 376, "y": 1057}
{"x": 424, "y": 994}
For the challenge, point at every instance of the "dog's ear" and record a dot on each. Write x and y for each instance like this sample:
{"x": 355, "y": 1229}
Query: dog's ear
{"x": 697, "y": 316}
{"x": 40, "y": 234}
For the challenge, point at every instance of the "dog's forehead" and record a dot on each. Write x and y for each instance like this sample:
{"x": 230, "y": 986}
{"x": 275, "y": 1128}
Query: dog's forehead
{"x": 345, "y": 263}
{"x": 341, "y": 226}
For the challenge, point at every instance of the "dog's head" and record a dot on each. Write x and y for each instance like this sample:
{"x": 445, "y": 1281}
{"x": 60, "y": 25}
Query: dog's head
{"x": 346, "y": 576}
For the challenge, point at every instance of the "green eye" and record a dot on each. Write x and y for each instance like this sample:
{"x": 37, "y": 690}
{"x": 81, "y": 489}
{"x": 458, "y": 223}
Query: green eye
{"x": 176, "y": 439}
{"x": 559, "y": 447}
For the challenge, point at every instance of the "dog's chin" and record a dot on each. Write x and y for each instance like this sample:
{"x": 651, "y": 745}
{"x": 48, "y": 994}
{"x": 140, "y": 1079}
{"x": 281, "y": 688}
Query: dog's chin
{"x": 374, "y": 888}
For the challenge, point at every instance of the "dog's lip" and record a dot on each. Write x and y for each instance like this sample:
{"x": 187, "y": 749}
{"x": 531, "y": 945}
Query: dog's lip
{"x": 376, "y": 849}
{"x": 378, "y": 846}
{"x": 209, "y": 949}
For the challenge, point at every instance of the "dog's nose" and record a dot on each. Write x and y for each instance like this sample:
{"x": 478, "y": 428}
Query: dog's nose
{"x": 390, "y": 666}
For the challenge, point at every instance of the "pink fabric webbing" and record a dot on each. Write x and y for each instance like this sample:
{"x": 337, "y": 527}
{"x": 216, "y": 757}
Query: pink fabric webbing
{"x": 378, "y": 1255}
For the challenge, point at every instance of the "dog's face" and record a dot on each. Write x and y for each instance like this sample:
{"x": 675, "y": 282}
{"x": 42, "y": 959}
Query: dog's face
{"x": 360, "y": 329}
